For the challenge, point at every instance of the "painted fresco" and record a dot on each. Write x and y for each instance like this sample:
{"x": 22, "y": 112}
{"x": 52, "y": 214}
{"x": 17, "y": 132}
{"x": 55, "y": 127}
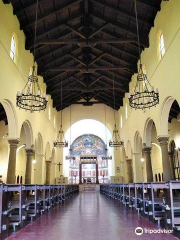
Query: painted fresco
{"x": 88, "y": 144}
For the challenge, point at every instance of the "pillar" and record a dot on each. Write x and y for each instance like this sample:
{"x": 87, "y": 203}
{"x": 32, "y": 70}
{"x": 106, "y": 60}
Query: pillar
{"x": 97, "y": 174}
{"x": 165, "y": 158}
{"x": 29, "y": 153}
{"x": 11, "y": 173}
{"x": 80, "y": 173}
{"x": 129, "y": 170}
{"x": 48, "y": 172}
{"x": 147, "y": 158}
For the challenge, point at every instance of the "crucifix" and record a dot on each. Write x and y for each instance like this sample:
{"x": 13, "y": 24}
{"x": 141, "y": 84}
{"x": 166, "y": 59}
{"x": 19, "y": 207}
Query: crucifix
{"x": 59, "y": 164}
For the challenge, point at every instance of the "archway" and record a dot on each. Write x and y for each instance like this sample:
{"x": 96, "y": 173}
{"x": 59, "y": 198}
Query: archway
{"x": 4, "y": 146}
{"x": 170, "y": 128}
{"x": 25, "y": 153}
{"x": 151, "y": 151}
{"x": 88, "y": 126}
{"x": 11, "y": 118}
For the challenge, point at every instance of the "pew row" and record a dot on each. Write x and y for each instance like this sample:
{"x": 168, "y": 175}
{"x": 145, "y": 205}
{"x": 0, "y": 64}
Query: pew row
{"x": 157, "y": 201}
{"x": 21, "y": 204}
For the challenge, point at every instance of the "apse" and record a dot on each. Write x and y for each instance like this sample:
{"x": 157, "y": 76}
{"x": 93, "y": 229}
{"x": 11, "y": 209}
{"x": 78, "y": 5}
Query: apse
{"x": 85, "y": 128}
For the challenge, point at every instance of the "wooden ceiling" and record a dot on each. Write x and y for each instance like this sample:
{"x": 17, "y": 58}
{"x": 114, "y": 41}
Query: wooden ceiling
{"x": 86, "y": 44}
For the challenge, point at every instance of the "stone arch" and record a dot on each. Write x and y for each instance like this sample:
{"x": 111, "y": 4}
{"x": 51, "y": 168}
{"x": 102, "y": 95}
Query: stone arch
{"x": 147, "y": 134}
{"x": 28, "y": 134}
{"x": 12, "y": 119}
{"x": 164, "y": 114}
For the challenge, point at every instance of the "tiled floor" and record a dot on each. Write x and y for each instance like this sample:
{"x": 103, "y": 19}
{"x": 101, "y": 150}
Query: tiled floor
{"x": 89, "y": 216}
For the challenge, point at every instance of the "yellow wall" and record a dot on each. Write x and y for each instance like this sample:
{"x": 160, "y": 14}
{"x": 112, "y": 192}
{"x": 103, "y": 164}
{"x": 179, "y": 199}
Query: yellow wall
{"x": 162, "y": 74}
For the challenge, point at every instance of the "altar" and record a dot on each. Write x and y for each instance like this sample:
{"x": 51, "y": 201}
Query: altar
{"x": 89, "y": 187}
{"x": 88, "y": 159}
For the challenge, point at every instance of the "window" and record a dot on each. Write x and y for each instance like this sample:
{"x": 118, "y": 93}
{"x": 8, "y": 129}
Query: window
{"x": 13, "y": 48}
{"x": 161, "y": 45}
{"x": 54, "y": 121}
{"x": 121, "y": 121}
{"x": 126, "y": 111}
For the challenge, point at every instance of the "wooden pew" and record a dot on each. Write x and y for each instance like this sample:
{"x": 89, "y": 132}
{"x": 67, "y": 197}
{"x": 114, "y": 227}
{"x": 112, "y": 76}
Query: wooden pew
{"x": 138, "y": 198}
{"x": 159, "y": 191}
{"x": 172, "y": 209}
{"x": 14, "y": 207}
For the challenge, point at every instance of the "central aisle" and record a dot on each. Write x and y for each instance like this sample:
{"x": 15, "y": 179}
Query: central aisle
{"x": 88, "y": 216}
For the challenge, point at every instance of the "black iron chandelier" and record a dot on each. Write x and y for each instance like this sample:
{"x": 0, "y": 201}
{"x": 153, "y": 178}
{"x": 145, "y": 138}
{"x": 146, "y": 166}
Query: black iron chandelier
{"x": 116, "y": 142}
{"x": 31, "y": 98}
{"x": 61, "y": 141}
{"x": 144, "y": 95}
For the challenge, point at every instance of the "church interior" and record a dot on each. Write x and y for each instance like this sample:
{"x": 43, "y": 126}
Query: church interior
{"x": 89, "y": 119}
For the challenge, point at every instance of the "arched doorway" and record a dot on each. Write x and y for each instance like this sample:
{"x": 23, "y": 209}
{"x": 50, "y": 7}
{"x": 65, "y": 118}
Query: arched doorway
{"x": 85, "y": 147}
{"x": 83, "y": 128}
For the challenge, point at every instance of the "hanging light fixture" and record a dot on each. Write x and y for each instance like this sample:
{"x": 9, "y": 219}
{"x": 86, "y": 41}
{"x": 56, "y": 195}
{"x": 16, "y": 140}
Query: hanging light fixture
{"x": 116, "y": 141}
{"x": 31, "y": 98}
{"x": 144, "y": 95}
{"x": 60, "y": 141}
{"x": 70, "y": 157}
{"x": 106, "y": 157}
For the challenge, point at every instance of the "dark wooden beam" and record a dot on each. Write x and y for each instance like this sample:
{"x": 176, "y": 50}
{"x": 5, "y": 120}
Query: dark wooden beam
{"x": 26, "y": 6}
{"x": 86, "y": 43}
{"x": 51, "y": 13}
{"x": 86, "y": 70}
{"x": 97, "y": 30}
{"x": 73, "y": 29}
{"x": 77, "y": 59}
{"x": 121, "y": 12}
{"x": 96, "y": 59}
{"x": 113, "y": 55}
{"x": 50, "y": 30}
{"x": 131, "y": 31}
{"x": 62, "y": 56}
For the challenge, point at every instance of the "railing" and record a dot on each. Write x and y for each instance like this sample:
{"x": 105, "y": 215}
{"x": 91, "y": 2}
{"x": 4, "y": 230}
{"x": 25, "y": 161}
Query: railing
{"x": 20, "y": 204}
{"x": 158, "y": 201}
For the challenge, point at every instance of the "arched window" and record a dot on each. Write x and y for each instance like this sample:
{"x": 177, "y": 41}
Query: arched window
{"x": 13, "y": 50}
{"x": 161, "y": 45}
{"x": 54, "y": 121}
{"x": 126, "y": 111}
{"x": 17, "y": 179}
{"x": 121, "y": 121}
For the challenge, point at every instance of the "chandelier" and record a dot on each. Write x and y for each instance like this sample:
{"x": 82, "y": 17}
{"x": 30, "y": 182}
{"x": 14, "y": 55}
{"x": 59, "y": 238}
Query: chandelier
{"x": 61, "y": 141}
{"x": 144, "y": 95}
{"x": 116, "y": 141}
{"x": 31, "y": 98}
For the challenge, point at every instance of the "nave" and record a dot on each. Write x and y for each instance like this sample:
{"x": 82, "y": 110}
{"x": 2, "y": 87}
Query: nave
{"x": 89, "y": 216}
